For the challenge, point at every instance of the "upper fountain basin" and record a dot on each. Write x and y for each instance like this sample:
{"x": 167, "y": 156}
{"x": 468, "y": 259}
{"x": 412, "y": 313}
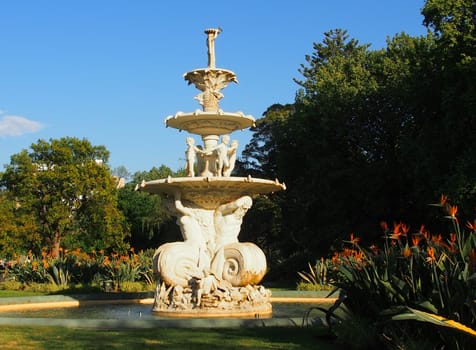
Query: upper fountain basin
{"x": 210, "y": 123}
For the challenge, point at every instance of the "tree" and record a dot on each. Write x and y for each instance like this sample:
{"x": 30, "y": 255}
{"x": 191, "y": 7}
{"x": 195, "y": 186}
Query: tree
{"x": 375, "y": 135}
{"x": 149, "y": 225}
{"x": 453, "y": 23}
{"x": 18, "y": 230}
{"x": 343, "y": 144}
{"x": 260, "y": 157}
{"x": 121, "y": 172}
{"x": 66, "y": 185}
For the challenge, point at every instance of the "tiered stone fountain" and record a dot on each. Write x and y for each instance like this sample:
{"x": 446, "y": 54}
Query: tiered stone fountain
{"x": 210, "y": 273}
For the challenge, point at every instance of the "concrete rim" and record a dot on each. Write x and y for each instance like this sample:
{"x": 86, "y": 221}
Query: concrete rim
{"x": 61, "y": 301}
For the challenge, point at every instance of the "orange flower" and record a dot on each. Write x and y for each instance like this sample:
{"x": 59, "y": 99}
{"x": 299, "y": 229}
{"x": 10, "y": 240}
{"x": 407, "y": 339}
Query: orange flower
{"x": 427, "y": 236}
{"x": 354, "y": 240}
{"x": 453, "y": 237}
{"x": 471, "y": 226}
{"x": 45, "y": 263}
{"x": 452, "y": 210}
{"x": 384, "y": 226}
{"x": 397, "y": 231}
{"x": 34, "y": 265}
{"x": 358, "y": 255}
{"x": 437, "y": 239}
{"x": 347, "y": 252}
{"x": 405, "y": 229}
{"x": 422, "y": 229}
{"x": 416, "y": 240}
{"x": 443, "y": 199}
{"x": 336, "y": 258}
{"x": 406, "y": 252}
{"x": 431, "y": 255}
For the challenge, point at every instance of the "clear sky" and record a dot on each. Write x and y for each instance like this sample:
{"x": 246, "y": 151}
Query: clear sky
{"x": 111, "y": 71}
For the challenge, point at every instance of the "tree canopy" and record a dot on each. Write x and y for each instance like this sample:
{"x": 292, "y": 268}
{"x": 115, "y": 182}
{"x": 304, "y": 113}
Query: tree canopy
{"x": 65, "y": 188}
{"x": 373, "y": 134}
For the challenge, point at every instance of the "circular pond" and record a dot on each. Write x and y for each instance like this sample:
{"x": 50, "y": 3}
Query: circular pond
{"x": 138, "y": 311}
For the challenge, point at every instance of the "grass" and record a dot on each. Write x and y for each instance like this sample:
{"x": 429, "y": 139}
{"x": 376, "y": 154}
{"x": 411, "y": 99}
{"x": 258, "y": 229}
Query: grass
{"x": 46, "y": 337}
{"x": 49, "y": 337}
{"x": 18, "y": 293}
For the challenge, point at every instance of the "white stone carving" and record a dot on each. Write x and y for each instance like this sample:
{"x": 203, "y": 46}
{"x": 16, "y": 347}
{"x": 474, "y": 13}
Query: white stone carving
{"x": 210, "y": 272}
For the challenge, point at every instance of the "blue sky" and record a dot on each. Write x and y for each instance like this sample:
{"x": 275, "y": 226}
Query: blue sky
{"x": 111, "y": 71}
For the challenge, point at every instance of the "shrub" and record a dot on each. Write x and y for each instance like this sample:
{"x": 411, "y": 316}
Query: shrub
{"x": 315, "y": 279}
{"x": 134, "y": 287}
{"x": 415, "y": 276}
{"x": 74, "y": 267}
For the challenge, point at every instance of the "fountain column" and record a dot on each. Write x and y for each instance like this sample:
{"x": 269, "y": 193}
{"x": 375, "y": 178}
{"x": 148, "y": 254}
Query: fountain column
{"x": 210, "y": 273}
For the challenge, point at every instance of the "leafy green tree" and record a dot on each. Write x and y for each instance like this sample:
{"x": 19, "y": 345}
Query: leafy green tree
{"x": 122, "y": 172}
{"x": 453, "y": 23}
{"x": 327, "y": 167}
{"x": 66, "y": 185}
{"x": 343, "y": 147}
{"x": 260, "y": 157}
{"x": 149, "y": 225}
{"x": 18, "y": 229}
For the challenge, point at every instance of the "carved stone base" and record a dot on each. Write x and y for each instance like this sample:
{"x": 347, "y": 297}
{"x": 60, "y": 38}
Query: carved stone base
{"x": 223, "y": 301}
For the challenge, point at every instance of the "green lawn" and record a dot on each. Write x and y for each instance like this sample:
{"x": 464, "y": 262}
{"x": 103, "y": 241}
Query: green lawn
{"x": 38, "y": 338}
{"x": 48, "y": 337}
{"x": 18, "y": 293}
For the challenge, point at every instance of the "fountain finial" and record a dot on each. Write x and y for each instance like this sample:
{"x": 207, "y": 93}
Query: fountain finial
{"x": 210, "y": 80}
{"x": 212, "y": 34}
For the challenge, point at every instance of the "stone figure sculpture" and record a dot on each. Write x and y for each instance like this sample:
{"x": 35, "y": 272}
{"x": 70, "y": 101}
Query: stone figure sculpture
{"x": 211, "y": 36}
{"x": 191, "y": 156}
{"x": 221, "y": 152}
{"x": 218, "y": 161}
{"x": 231, "y": 153}
{"x": 228, "y": 218}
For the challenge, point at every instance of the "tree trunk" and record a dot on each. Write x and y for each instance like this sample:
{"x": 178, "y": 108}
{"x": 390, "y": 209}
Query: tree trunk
{"x": 56, "y": 245}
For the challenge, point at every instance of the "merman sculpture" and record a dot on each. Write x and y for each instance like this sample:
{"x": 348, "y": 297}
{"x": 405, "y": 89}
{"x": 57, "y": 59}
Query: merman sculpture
{"x": 210, "y": 273}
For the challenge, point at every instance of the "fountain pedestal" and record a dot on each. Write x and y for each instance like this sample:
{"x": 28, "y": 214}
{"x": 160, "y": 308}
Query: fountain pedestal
{"x": 210, "y": 273}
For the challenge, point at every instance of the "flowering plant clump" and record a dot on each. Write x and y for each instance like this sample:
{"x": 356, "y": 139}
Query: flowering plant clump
{"x": 77, "y": 267}
{"x": 315, "y": 279}
{"x": 415, "y": 276}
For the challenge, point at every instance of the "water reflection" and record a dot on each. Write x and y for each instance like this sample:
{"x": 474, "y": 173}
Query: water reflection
{"x": 139, "y": 311}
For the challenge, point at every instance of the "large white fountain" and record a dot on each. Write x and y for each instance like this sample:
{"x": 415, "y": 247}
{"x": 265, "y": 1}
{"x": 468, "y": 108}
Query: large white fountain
{"x": 210, "y": 273}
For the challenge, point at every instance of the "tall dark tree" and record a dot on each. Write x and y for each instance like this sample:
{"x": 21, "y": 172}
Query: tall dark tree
{"x": 350, "y": 147}
{"x": 453, "y": 22}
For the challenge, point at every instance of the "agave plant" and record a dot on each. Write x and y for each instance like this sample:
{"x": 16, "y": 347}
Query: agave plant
{"x": 316, "y": 276}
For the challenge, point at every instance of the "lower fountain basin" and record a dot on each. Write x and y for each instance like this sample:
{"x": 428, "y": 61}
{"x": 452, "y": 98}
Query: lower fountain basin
{"x": 132, "y": 313}
{"x": 144, "y": 312}
{"x": 211, "y": 192}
